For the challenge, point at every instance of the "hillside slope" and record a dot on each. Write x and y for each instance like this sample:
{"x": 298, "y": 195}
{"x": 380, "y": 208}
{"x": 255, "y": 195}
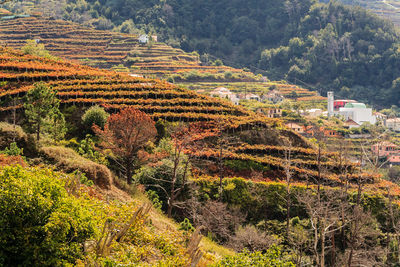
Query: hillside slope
{"x": 388, "y": 9}
{"x": 106, "y": 49}
{"x": 261, "y": 138}
{"x": 331, "y": 46}
{"x": 124, "y": 53}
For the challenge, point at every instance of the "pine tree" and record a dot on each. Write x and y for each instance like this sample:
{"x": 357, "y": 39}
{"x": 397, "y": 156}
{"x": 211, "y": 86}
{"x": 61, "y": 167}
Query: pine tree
{"x": 40, "y": 106}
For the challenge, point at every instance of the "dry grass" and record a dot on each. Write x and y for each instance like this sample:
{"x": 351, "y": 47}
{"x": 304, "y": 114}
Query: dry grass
{"x": 12, "y": 129}
{"x": 68, "y": 160}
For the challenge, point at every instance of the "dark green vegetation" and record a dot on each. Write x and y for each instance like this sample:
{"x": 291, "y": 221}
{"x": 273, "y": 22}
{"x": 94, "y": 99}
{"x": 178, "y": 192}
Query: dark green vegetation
{"x": 325, "y": 46}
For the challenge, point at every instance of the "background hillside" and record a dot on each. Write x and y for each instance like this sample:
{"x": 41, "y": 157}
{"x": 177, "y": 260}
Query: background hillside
{"x": 389, "y": 9}
{"x": 323, "y": 46}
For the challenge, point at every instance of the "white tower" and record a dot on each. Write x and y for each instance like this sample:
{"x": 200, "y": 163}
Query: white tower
{"x": 330, "y": 103}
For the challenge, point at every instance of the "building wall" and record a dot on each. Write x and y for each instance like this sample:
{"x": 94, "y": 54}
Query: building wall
{"x": 359, "y": 115}
{"x": 393, "y": 125}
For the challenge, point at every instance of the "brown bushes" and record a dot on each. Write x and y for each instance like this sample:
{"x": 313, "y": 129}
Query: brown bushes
{"x": 10, "y": 133}
{"x": 11, "y": 160}
{"x": 68, "y": 160}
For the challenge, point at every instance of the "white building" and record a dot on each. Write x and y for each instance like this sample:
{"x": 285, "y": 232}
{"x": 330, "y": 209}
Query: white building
{"x": 393, "y": 124}
{"x": 223, "y": 92}
{"x": 357, "y": 112}
{"x": 273, "y": 96}
{"x": 314, "y": 112}
{"x": 143, "y": 39}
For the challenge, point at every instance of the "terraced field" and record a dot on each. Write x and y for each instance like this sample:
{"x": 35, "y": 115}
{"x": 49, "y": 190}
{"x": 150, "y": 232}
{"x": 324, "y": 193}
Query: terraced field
{"x": 105, "y": 49}
{"x": 124, "y": 53}
{"x": 84, "y": 86}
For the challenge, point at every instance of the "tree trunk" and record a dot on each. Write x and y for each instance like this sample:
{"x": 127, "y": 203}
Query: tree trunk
{"x": 322, "y": 262}
{"x": 129, "y": 171}
{"x": 169, "y": 209}
{"x": 38, "y": 131}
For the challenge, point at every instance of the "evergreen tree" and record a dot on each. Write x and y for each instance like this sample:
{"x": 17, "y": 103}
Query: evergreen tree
{"x": 41, "y": 105}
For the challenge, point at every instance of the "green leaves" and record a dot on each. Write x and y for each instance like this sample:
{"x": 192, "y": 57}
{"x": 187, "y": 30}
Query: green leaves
{"x": 41, "y": 224}
{"x": 41, "y": 109}
{"x": 273, "y": 257}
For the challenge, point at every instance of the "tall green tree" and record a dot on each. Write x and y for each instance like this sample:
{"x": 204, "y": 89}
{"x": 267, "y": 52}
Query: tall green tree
{"x": 41, "y": 105}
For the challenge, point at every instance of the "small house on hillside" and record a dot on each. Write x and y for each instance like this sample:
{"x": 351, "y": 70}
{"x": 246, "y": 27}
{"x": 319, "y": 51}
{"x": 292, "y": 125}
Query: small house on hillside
{"x": 271, "y": 112}
{"x": 315, "y": 112}
{"x": 393, "y": 124}
{"x": 295, "y": 127}
{"x": 273, "y": 96}
{"x": 314, "y": 130}
{"x": 249, "y": 96}
{"x": 394, "y": 160}
{"x": 351, "y": 124}
{"x": 385, "y": 149}
{"x": 380, "y": 116}
{"x": 225, "y": 93}
{"x": 143, "y": 39}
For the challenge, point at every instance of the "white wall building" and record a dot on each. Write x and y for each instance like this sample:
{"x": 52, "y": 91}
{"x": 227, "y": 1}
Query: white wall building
{"x": 223, "y": 92}
{"x": 143, "y": 39}
{"x": 357, "y": 112}
{"x": 393, "y": 124}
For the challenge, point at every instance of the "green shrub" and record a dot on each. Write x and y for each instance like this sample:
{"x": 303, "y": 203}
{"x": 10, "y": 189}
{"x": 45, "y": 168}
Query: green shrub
{"x": 218, "y": 62}
{"x": 14, "y": 150}
{"x": 41, "y": 225}
{"x": 155, "y": 199}
{"x": 228, "y": 75}
{"x": 273, "y": 257}
{"x": 170, "y": 79}
{"x": 95, "y": 115}
{"x": 186, "y": 226}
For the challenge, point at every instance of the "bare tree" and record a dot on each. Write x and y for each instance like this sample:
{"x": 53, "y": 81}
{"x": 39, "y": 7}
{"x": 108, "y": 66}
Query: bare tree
{"x": 251, "y": 238}
{"x": 175, "y": 179}
{"x": 323, "y": 211}
{"x": 216, "y": 218}
{"x": 299, "y": 241}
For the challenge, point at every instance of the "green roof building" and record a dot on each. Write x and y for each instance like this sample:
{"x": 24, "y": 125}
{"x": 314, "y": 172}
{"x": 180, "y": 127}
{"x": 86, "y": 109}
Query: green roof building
{"x": 355, "y": 105}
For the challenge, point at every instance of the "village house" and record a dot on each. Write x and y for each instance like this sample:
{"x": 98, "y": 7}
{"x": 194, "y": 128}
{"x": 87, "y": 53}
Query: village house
{"x": 385, "y": 149}
{"x": 225, "y": 93}
{"x": 393, "y": 160}
{"x": 273, "y": 96}
{"x": 330, "y": 133}
{"x": 144, "y": 38}
{"x": 393, "y": 124}
{"x": 295, "y": 127}
{"x": 312, "y": 130}
{"x": 357, "y": 112}
{"x": 249, "y": 96}
{"x": 349, "y": 124}
{"x": 271, "y": 112}
{"x": 380, "y": 116}
{"x": 340, "y": 103}
{"x": 315, "y": 112}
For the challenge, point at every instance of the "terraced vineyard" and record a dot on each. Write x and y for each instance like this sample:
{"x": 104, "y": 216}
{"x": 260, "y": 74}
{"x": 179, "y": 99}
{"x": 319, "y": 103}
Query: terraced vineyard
{"x": 124, "y": 53}
{"x": 85, "y": 86}
{"x": 105, "y": 49}
{"x": 82, "y": 85}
